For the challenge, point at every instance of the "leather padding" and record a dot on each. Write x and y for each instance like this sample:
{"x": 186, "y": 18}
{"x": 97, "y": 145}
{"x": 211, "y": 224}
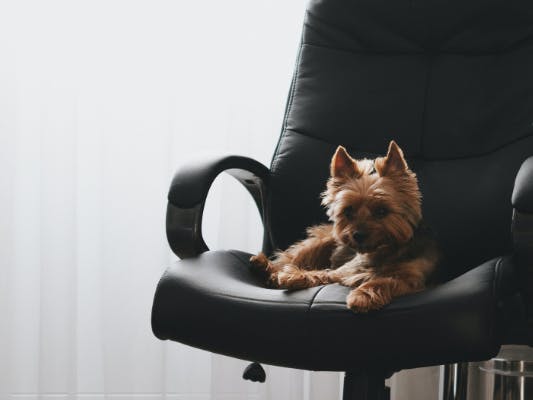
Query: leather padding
{"x": 414, "y": 26}
{"x": 523, "y": 188}
{"x": 214, "y": 302}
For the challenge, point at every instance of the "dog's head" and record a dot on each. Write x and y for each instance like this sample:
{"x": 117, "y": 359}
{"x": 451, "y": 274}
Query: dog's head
{"x": 374, "y": 204}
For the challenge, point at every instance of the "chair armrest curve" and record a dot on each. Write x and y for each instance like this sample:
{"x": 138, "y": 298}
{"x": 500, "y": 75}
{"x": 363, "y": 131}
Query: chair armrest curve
{"x": 522, "y": 197}
{"x": 188, "y": 193}
{"x": 522, "y": 230}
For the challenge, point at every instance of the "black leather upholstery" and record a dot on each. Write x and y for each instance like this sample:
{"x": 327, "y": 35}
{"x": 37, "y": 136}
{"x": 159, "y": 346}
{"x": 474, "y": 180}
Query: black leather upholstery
{"x": 450, "y": 81}
{"x": 522, "y": 230}
{"x": 313, "y": 329}
{"x": 523, "y": 188}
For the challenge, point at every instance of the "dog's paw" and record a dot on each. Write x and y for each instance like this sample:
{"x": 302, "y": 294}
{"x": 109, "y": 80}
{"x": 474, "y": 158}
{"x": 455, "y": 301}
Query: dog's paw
{"x": 291, "y": 277}
{"x": 260, "y": 262}
{"x": 363, "y": 301}
{"x": 263, "y": 268}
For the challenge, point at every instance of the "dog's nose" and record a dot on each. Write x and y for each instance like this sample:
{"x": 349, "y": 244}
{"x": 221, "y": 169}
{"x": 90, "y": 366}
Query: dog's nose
{"x": 359, "y": 236}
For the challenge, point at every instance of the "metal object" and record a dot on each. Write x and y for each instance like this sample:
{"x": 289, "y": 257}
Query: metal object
{"x": 453, "y": 382}
{"x": 509, "y": 376}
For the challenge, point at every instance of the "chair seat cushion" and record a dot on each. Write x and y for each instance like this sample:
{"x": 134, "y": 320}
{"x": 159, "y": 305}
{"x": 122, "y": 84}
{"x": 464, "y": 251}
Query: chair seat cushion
{"x": 216, "y": 303}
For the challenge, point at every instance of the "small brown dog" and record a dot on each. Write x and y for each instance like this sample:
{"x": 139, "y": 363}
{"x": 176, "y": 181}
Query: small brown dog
{"x": 376, "y": 243}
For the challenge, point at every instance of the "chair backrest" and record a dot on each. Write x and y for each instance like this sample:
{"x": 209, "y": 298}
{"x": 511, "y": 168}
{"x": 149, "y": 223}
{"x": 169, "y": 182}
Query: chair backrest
{"x": 450, "y": 80}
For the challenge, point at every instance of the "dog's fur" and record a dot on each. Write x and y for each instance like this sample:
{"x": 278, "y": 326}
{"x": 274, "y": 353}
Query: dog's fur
{"x": 375, "y": 243}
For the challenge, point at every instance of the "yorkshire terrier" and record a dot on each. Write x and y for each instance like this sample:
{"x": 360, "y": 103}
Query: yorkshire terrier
{"x": 376, "y": 242}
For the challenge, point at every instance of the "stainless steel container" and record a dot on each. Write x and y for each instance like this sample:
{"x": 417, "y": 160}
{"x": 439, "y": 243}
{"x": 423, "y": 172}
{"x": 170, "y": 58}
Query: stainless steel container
{"x": 509, "y": 376}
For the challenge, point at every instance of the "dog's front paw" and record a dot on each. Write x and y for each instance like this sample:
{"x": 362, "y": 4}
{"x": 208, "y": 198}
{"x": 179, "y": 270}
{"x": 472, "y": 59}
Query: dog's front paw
{"x": 362, "y": 301}
{"x": 260, "y": 262}
{"x": 291, "y": 277}
{"x": 264, "y": 269}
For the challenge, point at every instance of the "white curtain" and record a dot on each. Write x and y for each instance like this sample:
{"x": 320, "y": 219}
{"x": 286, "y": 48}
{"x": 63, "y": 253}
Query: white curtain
{"x": 100, "y": 101}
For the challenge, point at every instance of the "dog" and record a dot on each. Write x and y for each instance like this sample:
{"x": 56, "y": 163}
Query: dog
{"x": 376, "y": 242}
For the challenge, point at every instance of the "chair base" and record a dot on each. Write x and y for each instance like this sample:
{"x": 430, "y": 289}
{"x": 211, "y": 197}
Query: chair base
{"x": 453, "y": 381}
{"x": 359, "y": 386}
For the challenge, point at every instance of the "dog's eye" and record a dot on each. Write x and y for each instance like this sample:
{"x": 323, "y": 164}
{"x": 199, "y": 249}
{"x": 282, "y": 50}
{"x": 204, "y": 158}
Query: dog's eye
{"x": 381, "y": 212}
{"x": 348, "y": 211}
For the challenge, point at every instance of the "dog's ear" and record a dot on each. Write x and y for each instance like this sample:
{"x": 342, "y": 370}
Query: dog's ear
{"x": 343, "y": 165}
{"x": 393, "y": 163}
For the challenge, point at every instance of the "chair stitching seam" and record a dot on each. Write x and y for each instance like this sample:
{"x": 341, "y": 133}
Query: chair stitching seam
{"x": 368, "y": 52}
{"x": 251, "y": 298}
{"x": 421, "y": 53}
{"x": 314, "y": 296}
{"x": 343, "y": 31}
{"x": 423, "y": 158}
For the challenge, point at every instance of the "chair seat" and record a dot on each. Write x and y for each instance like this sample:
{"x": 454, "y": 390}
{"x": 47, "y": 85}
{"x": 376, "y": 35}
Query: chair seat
{"x": 216, "y": 303}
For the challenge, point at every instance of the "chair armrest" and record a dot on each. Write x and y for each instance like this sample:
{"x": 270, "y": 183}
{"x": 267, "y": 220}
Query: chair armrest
{"x": 522, "y": 229}
{"x": 188, "y": 192}
{"x": 522, "y": 198}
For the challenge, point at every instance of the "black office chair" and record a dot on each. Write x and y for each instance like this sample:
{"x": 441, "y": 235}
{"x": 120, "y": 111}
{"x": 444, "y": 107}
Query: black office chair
{"x": 452, "y": 83}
